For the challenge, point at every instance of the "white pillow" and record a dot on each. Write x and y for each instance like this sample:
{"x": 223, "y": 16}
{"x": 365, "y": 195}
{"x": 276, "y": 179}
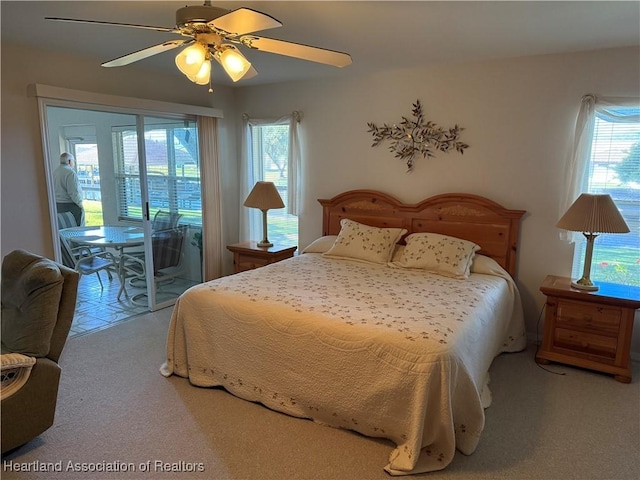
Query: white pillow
{"x": 362, "y": 242}
{"x": 320, "y": 245}
{"x": 487, "y": 265}
{"x": 441, "y": 254}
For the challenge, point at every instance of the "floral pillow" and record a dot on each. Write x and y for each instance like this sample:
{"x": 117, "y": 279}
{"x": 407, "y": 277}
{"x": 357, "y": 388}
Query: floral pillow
{"x": 321, "y": 244}
{"x": 441, "y": 254}
{"x": 362, "y": 242}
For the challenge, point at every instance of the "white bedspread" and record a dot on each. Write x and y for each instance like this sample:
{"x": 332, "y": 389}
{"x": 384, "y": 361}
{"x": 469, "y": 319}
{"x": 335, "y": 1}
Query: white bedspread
{"x": 387, "y": 352}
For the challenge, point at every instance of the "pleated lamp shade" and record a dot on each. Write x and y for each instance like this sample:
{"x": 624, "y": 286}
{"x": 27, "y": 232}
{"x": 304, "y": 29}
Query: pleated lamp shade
{"x": 593, "y": 214}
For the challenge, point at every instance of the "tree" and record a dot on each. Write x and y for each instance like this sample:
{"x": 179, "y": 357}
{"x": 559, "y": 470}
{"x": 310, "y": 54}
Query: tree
{"x": 275, "y": 141}
{"x": 628, "y": 169}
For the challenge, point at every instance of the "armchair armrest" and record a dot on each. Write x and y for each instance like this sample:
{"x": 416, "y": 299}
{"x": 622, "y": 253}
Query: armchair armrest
{"x": 15, "y": 371}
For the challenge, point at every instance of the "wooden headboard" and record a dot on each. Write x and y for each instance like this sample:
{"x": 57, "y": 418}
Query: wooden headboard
{"x": 461, "y": 215}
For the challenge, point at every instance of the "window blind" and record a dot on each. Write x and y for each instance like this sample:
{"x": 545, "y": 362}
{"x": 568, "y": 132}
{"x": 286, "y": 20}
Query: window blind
{"x": 614, "y": 169}
{"x": 173, "y": 171}
{"x": 125, "y": 147}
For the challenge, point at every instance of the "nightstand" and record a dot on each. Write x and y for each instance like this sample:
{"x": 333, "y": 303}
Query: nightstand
{"x": 247, "y": 255}
{"x": 589, "y": 329}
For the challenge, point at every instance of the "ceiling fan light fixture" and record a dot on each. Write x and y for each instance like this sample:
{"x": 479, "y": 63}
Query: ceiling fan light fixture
{"x": 204, "y": 74}
{"x": 190, "y": 60}
{"x": 233, "y": 62}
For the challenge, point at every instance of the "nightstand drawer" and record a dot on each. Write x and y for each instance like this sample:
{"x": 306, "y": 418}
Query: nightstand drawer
{"x": 247, "y": 255}
{"x": 248, "y": 263}
{"x": 587, "y": 343}
{"x": 588, "y": 316}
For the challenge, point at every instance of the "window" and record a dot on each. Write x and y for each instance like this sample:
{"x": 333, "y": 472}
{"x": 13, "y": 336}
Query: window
{"x": 127, "y": 173}
{"x": 270, "y": 158}
{"x": 85, "y": 151}
{"x": 173, "y": 171}
{"x": 614, "y": 168}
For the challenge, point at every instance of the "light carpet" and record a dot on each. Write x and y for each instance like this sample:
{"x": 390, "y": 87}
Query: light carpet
{"x": 115, "y": 411}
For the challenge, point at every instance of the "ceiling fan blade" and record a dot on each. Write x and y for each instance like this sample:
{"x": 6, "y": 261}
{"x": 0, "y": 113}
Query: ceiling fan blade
{"x": 98, "y": 22}
{"x": 145, "y": 53}
{"x": 244, "y": 20}
{"x": 297, "y": 50}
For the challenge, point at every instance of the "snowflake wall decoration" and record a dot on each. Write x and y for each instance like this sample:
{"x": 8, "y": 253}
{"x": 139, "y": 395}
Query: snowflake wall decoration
{"x": 412, "y": 137}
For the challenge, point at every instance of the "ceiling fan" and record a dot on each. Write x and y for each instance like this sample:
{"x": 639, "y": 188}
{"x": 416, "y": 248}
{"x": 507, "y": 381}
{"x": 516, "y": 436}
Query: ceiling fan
{"x": 214, "y": 34}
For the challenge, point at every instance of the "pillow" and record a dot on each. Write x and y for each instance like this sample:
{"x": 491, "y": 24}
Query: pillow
{"x": 362, "y": 242}
{"x": 488, "y": 266}
{"x": 321, "y": 244}
{"x": 30, "y": 300}
{"x": 16, "y": 369}
{"x": 441, "y": 254}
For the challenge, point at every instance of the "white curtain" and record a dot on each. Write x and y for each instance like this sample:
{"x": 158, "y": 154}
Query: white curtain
{"x": 576, "y": 170}
{"x": 249, "y": 175}
{"x": 212, "y": 240}
{"x": 251, "y": 171}
{"x": 294, "y": 178}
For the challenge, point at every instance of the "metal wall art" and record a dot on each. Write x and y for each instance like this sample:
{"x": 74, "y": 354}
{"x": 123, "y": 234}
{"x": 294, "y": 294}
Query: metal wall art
{"x": 415, "y": 136}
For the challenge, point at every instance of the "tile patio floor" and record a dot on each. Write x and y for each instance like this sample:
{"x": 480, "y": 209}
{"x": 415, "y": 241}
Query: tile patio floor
{"x": 97, "y": 309}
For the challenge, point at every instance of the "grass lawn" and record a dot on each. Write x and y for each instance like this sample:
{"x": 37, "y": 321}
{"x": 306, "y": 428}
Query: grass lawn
{"x": 92, "y": 212}
{"x": 616, "y": 265}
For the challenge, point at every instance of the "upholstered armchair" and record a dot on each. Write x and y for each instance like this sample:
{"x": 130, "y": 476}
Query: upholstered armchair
{"x": 38, "y": 304}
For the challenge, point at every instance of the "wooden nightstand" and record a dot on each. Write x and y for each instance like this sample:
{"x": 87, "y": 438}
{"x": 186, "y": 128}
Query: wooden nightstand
{"x": 589, "y": 329}
{"x": 247, "y": 255}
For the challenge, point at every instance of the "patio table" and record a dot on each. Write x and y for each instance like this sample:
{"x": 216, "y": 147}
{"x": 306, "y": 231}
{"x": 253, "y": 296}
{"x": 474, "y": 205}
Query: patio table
{"x": 113, "y": 236}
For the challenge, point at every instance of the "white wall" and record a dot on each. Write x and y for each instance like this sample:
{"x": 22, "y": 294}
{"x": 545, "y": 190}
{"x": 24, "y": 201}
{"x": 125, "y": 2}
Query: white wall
{"x": 519, "y": 117}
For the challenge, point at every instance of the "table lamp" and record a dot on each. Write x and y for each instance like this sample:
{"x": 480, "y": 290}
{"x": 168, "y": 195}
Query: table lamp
{"x": 591, "y": 215}
{"x": 264, "y": 196}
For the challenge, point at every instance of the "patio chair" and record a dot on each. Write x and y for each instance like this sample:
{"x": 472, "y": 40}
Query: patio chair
{"x": 86, "y": 262}
{"x": 168, "y": 259}
{"x": 164, "y": 220}
{"x": 66, "y": 220}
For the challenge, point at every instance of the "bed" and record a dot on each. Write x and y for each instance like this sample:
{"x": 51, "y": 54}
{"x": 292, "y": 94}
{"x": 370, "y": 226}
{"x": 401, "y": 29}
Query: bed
{"x": 383, "y": 344}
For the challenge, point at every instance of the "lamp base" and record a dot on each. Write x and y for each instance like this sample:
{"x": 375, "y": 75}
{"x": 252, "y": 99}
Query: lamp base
{"x": 584, "y": 284}
{"x": 265, "y": 243}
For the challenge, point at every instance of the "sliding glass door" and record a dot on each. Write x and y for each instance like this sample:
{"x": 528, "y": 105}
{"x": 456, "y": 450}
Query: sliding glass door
{"x": 158, "y": 181}
{"x": 174, "y": 203}
{"x": 139, "y": 174}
